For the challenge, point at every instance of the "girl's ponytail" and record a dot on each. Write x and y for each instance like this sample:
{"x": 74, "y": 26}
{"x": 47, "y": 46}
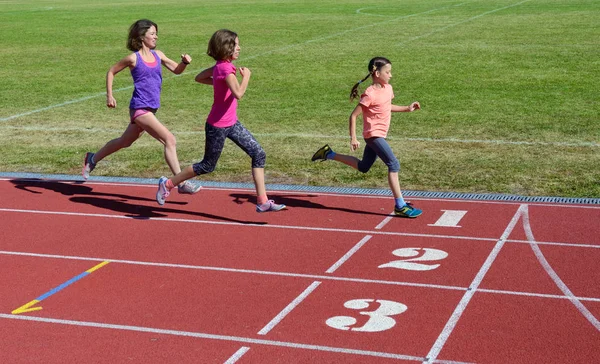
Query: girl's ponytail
{"x": 354, "y": 92}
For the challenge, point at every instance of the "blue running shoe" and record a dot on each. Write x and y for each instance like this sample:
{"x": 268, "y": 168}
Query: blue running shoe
{"x": 407, "y": 211}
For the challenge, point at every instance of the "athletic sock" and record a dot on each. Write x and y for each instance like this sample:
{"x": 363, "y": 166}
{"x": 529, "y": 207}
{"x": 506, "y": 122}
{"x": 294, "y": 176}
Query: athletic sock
{"x": 330, "y": 155}
{"x": 169, "y": 185}
{"x": 400, "y": 202}
{"x": 261, "y": 200}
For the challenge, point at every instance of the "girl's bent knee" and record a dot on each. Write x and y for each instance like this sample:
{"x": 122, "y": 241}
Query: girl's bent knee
{"x": 203, "y": 168}
{"x": 259, "y": 160}
{"x": 394, "y": 166}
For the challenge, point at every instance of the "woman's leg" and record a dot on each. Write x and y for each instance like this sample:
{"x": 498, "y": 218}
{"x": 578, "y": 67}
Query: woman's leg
{"x": 158, "y": 131}
{"x": 130, "y": 135}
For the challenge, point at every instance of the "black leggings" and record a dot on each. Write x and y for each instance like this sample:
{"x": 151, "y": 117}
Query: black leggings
{"x": 215, "y": 140}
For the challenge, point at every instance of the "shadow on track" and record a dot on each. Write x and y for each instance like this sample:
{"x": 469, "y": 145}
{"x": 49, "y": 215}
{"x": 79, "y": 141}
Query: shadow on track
{"x": 292, "y": 201}
{"x": 83, "y": 194}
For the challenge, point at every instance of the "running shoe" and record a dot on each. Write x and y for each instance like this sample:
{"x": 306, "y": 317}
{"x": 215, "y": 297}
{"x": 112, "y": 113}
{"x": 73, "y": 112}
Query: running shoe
{"x": 163, "y": 192}
{"x": 322, "y": 153}
{"x": 88, "y": 166}
{"x": 407, "y": 211}
{"x": 269, "y": 206}
{"x": 188, "y": 188}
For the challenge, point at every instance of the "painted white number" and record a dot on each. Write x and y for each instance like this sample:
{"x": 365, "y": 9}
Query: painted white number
{"x": 450, "y": 218}
{"x": 379, "y": 318}
{"x": 414, "y": 255}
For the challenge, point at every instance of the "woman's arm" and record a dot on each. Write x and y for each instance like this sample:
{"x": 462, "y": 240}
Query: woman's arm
{"x": 128, "y": 61}
{"x": 176, "y": 68}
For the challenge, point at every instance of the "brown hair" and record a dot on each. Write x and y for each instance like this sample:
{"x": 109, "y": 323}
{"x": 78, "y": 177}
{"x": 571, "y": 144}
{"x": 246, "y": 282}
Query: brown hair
{"x": 222, "y": 44}
{"x": 137, "y": 32}
{"x": 375, "y": 64}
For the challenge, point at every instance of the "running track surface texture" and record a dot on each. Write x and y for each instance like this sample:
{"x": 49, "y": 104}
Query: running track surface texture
{"x": 98, "y": 272}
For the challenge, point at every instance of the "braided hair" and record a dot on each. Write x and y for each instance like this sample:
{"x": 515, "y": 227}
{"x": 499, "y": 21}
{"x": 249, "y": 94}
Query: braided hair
{"x": 375, "y": 64}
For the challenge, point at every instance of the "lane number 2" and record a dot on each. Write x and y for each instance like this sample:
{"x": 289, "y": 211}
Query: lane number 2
{"x": 414, "y": 259}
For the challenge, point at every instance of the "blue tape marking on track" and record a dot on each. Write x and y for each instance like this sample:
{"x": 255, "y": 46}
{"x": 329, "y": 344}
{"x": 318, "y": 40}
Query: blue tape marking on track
{"x": 339, "y": 190}
{"x": 62, "y": 286}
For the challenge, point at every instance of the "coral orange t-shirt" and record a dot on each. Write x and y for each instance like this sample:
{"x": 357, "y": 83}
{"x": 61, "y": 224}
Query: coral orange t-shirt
{"x": 376, "y": 105}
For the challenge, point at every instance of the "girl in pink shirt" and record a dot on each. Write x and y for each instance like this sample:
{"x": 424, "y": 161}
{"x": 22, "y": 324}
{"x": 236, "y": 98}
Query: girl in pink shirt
{"x": 376, "y": 107}
{"x": 222, "y": 121}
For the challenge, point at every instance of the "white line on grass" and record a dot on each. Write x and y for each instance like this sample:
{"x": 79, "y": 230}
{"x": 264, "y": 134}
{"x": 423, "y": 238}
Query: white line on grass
{"x": 246, "y": 58}
{"x": 280, "y": 316}
{"x": 313, "y": 136}
{"x": 462, "y": 305}
{"x": 202, "y": 335}
{"x": 461, "y": 22}
{"x": 559, "y": 283}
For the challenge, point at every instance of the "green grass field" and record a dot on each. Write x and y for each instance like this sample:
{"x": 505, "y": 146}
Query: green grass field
{"x": 509, "y": 89}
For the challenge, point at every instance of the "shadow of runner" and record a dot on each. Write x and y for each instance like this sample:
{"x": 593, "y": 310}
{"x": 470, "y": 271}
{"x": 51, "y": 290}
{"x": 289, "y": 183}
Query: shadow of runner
{"x": 292, "y": 201}
{"x": 114, "y": 202}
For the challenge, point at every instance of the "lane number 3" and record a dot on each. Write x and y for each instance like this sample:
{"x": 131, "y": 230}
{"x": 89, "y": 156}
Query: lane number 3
{"x": 378, "y": 318}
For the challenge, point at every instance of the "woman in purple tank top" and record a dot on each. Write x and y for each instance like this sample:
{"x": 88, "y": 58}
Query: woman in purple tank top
{"x": 145, "y": 66}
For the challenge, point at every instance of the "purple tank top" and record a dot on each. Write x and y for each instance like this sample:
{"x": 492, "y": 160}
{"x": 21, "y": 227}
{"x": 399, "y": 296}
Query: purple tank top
{"x": 147, "y": 83}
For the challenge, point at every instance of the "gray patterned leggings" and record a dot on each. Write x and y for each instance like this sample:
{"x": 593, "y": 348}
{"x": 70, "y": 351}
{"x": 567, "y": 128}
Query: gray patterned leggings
{"x": 215, "y": 140}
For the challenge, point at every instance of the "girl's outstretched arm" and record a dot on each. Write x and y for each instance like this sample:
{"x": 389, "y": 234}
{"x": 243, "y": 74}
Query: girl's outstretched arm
{"x": 128, "y": 61}
{"x": 412, "y": 107}
{"x": 176, "y": 68}
{"x": 354, "y": 144}
{"x": 205, "y": 76}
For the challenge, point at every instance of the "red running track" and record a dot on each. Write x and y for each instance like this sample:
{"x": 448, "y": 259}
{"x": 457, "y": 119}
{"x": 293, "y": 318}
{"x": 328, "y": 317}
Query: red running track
{"x": 332, "y": 279}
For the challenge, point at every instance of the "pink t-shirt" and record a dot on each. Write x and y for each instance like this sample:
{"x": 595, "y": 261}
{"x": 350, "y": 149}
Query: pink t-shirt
{"x": 224, "y": 108}
{"x": 376, "y": 110}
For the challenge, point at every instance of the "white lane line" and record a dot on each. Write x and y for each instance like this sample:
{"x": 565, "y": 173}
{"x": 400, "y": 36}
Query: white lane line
{"x": 347, "y": 256}
{"x": 246, "y": 59}
{"x": 385, "y": 221}
{"x": 141, "y": 182}
{"x": 234, "y": 270}
{"x": 280, "y": 316}
{"x": 552, "y": 273}
{"x": 201, "y": 335}
{"x": 462, "y": 305}
{"x": 533, "y": 294}
{"x": 271, "y": 226}
{"x": 237, "y": 355}
{"x": 285, "y": 274}
{"x": 461, "y": 22}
